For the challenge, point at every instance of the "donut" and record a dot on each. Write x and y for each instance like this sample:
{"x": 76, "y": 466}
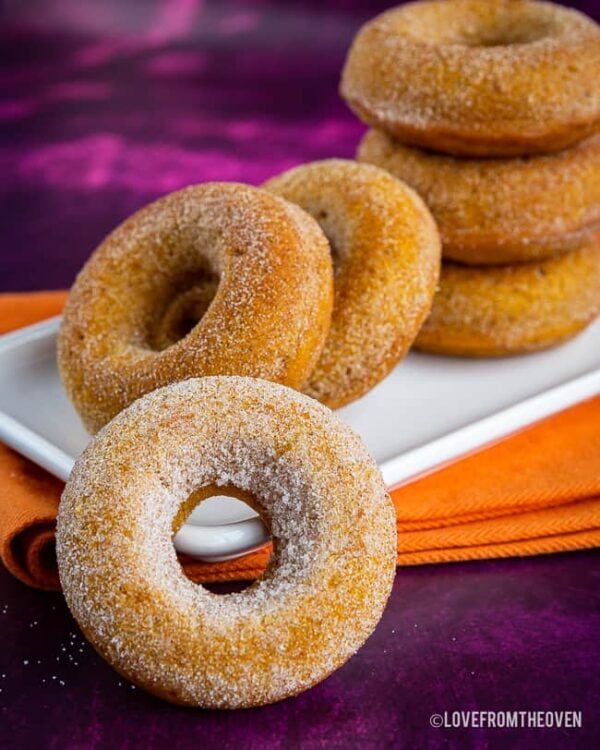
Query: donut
{"x": 320, "y": 493}
{"x": 493, "y": 311}
{"x": 500, "y": 210}
{"x": 386, "y": 253}
{"x": 478, "y": 77}
{"x": 215, "y": 279}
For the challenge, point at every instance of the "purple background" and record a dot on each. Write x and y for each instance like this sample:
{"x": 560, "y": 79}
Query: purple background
{"x": 106, "y": 105}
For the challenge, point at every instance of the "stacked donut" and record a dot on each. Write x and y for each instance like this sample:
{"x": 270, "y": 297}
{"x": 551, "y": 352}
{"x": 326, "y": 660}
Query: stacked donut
{"x": 490, "y": 109}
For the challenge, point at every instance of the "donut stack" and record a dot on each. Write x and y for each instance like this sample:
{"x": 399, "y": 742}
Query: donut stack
{"x": 491, "y": 111}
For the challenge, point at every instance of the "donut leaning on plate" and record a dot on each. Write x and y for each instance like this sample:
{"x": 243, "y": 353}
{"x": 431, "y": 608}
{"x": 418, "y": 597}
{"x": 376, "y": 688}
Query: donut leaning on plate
{"x": 386, "y": 251}
{"x": 493, "y": 311}
{"x": 319, "y": 491}
{"x": 478, "y": 77}
{"x": 219, "y": 278}
{"x": 500, "y": 210}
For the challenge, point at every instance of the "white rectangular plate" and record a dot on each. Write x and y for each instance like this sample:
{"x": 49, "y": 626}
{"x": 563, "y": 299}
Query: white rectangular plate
{"x": 429, "y": 411}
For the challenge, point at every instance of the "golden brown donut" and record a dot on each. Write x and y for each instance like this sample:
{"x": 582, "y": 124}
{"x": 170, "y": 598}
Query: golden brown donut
{"x": 500, "y": 210}
{"x": 220, "y": 278}
{"x": 386, "y": 252}
{"x": 478, "y": 77}
{"x": 492, "y": 311}
{"x": 318, "y": 489}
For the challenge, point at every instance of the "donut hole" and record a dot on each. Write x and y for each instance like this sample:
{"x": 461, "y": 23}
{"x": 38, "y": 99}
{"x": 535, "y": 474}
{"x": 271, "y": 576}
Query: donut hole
{"x": 336, "y": 258}
{"x": 506, "y": 34}
{"x": 231, "y": 512}
{"x": 222, "y": 588}
{"x": 511, "y": 26}
{"x": 334, "y": 234}
{"x": 184, "y": 309}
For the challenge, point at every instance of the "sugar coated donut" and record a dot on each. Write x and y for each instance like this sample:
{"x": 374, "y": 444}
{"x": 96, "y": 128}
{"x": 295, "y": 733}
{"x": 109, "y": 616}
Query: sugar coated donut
{"x": 386, "y": 252}
{"x": 500, "y": 210}
{"x": 220, "y": 278}
{"x": 321, "y": 494}
{"x": 478, "y": 77}
{"x": 491, "y": 311}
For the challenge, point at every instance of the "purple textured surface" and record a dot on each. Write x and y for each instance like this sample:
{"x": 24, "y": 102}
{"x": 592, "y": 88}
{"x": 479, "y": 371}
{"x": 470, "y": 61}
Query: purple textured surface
{"x": 510, "y": 635}
{"x": 106, "y": 106}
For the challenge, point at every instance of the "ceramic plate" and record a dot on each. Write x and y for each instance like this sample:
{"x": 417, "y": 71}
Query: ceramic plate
{"x": 428, "y": 411}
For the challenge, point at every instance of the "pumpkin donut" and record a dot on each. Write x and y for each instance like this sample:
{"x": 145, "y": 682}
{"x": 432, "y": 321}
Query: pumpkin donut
{"x": 500, "y": 210}
{"x": 478, "y": 77}
{"x": 386, "y": 253}
{"x": 489, "y": 312}
{"x": 204, "y": 281}
{"x": 320, "y": 492}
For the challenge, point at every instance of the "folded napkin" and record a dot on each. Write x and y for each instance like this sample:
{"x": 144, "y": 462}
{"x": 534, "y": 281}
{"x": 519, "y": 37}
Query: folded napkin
{"x": 536, "y": 492}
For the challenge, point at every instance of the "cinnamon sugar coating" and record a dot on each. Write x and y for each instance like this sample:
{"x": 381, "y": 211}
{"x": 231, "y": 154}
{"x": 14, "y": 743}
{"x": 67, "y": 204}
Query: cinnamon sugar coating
{"x": 219, "y": 278}
{"x": 500, "y": 210}
{"x": 478, "y": 77}
{"x": 314, "y": 482}
{"x": 386, "y": 252}
{"x": 492, "y": 311}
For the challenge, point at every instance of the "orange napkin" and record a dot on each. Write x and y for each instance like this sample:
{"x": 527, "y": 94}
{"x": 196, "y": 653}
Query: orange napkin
{"x": 538, "y": 491}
